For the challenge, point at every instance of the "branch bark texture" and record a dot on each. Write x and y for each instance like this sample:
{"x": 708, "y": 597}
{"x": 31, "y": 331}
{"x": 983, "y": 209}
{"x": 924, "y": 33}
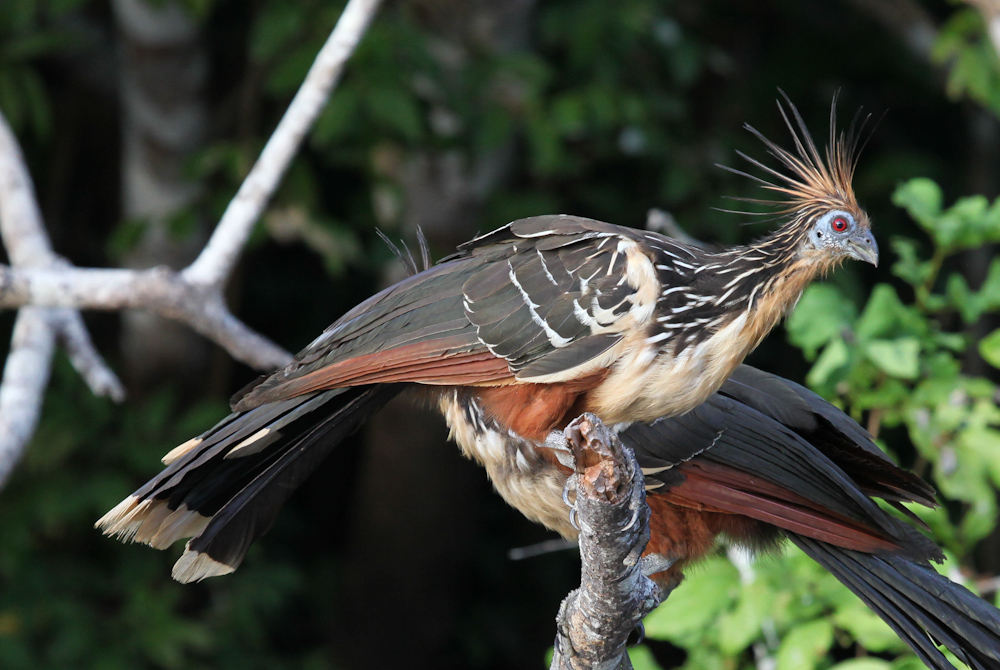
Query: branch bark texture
{"x": 595, "y": 620}
{"x": 48, "y": 290}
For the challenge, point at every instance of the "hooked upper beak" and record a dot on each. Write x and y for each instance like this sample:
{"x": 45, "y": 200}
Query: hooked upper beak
{"x": 863, "y": 247}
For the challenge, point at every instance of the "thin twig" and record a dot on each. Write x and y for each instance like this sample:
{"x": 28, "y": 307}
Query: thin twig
{"x": 216, "y": 261}
{"x": 75, "y": 340}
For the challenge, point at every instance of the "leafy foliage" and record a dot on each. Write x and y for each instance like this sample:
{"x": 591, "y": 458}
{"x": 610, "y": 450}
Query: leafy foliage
{"x": 974, "y": 68}
{"x": 901, "y": 364}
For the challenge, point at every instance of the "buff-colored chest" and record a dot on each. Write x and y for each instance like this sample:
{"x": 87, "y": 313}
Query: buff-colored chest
{"x": 647, "y": 382}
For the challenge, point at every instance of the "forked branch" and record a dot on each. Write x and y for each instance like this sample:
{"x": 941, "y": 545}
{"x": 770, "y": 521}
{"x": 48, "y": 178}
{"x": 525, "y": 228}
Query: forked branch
{"x": 49, "y": 291}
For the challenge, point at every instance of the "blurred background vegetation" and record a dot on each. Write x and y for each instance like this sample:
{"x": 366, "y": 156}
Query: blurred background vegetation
{"x": 139, "y": 119}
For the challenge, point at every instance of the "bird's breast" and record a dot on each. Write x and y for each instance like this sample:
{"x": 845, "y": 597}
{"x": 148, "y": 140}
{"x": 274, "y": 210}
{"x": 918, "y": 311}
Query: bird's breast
{"x": 649, "y": 381}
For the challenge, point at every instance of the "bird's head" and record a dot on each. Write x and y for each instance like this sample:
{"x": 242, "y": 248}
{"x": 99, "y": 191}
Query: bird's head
{"x": 824, "y": 225}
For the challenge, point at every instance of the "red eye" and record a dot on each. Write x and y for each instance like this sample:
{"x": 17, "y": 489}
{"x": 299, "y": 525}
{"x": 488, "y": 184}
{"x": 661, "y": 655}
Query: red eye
{"x": 839, "y": 224}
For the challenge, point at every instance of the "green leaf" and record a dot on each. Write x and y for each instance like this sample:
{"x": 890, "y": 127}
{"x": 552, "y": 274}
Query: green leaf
{"x": 921, "y": 197}
{"x": 834, "y": 358}
{"x": 867, "y": 628}
{"x": 740, "y": 627}
{"x": 885, "y": 316}
{"x": 897, "y": 358}
{"x": 989, "y": 348}
{"x": 908, "y": 266}
{"x": 805, "y": 645}
{"x": 868, "y": 663}
{"x": 689, "y": 611}
{"x": 985, "y": 444}
{"x": 822, "y": 314}
{"x": 641, "y": 658}
{"x": 908, "y": 662}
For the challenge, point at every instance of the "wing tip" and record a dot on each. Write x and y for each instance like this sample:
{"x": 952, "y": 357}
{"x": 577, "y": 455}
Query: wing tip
{"x": 151, "y": 522}
{"x": 123, "y": 520}
{"x": 194, "y": 566}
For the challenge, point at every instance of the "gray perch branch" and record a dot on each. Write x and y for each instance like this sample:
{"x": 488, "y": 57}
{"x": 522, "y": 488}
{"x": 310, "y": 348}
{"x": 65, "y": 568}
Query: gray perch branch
{"x": 595, "y": 620}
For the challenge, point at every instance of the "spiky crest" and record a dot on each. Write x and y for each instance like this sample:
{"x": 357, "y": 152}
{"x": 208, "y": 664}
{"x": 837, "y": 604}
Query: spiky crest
{"x": 812, "y": 183}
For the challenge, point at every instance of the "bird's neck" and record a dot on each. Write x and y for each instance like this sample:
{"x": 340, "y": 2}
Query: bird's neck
{"x": 783, "y": 273}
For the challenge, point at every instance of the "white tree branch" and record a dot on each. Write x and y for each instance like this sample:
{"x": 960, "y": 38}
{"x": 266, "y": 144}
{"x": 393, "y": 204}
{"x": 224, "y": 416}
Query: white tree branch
{"x": 26, "y": 372}
{"x": 28, "y": 245}
{"x": 49, "y": 291}
{"x": 25, "y": 376}
{"x": 219, "y": 256}
{"x": 158, "y": 290}
{"x": 75, "y": 340}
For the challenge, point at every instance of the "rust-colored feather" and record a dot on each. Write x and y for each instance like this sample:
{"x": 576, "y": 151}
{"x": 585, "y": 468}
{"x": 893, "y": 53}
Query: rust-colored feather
{"x": 717, "y": 488}
{"x": 427, "y": 362}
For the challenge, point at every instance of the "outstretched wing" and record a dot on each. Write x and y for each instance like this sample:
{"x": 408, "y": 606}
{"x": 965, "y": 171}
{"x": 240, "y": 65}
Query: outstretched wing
{"x": 540, "y": 300}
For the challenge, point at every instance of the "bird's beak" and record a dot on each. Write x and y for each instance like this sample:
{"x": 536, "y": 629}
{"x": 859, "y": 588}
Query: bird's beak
{"x": 862, "y": 247}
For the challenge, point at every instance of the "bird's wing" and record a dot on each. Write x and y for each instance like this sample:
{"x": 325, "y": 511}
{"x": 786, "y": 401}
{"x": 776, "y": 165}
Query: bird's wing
{"x": 540, "y": 300}
{"x": 831, "y": 431}
{"x": 741, "y": 452}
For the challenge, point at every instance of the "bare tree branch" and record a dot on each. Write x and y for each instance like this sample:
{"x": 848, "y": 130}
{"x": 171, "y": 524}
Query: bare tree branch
{"x": 48, "y": 290}
{"x": 75, "y": 340}
{"x": 614, "y": 595}
{"x": 28, "y": 245}
{"x": 25, "y": 376}
{"x": 219, "y": 256}
{"x": 158, "y": 290}
{"x": 26, "y": 373}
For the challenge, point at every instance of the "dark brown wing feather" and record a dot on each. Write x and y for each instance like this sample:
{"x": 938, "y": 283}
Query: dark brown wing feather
{"x": 540, "y": 296}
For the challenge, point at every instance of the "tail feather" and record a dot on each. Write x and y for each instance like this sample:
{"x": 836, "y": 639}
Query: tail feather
{"x": 922, "y": 607}
{"x": 225, "y": 488}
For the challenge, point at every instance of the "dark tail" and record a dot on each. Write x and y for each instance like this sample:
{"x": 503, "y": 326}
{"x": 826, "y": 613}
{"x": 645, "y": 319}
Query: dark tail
{"x": 224, "y": 488}
{"x": 924, "y": 608}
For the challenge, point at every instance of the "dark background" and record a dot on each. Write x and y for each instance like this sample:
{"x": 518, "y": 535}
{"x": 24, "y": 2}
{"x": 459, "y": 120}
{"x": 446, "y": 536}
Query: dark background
{"x": 453, "y": 116}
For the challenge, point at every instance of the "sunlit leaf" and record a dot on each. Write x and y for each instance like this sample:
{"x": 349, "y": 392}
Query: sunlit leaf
{"x": 805, "y": 645}
{"x": 898, "y": 358}
{"x": 822, "y": 314}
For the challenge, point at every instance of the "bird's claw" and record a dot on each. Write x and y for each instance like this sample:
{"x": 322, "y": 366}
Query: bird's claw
{"x": 637, "y": 635}
{"x": 569, "y": 488}
{"x": 636, "y": 513}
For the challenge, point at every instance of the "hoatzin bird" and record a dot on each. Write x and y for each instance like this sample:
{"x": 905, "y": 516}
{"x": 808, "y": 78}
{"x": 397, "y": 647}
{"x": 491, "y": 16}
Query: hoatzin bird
{"x": 527, "y": 327}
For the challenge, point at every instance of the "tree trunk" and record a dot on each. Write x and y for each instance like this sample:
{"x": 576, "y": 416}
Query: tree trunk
{"x": 163, "y": 71}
